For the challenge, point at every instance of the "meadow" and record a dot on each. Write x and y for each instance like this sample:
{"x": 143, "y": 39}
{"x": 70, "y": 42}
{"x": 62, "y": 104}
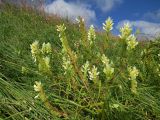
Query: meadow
{"x": 53, "y": 69}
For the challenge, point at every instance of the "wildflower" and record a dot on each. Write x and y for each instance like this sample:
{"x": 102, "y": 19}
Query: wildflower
{"x": 24, "y": 70}
{"x": 104, "y": 59}
{"x": 93, "y": 74}
{"x": 47, "y": 62}
{"x": 131, "y": 42}
{"x": 61, "y": 28}
{"x": 36, "y": 96}
{"x": 91, "y": 34}
{"x": 108, "y": 25}
{"x": 125, "y": 31}
{"x": 133, "y": 73}
{"x": 85, "y": 67}
{"x": 66, "y": 64}
{"x": 35, "y": 49}
{"x": 37, "y": 86}
{"x": 79, "y": 19}
{"x": 44, "y": 65}
{"x": 46, "y": 48}
{"x": 116, "y": 106}
{"x": 108, "y": 69}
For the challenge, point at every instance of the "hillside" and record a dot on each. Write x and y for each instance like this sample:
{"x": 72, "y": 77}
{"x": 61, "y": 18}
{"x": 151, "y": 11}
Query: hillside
{"x": 64, "y": 95}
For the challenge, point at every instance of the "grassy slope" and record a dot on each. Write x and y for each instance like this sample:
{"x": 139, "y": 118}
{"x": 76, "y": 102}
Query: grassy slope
{"x": 18, "y": 29}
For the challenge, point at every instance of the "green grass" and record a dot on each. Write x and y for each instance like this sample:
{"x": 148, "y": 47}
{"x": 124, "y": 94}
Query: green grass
{"x": 20, "y": 27}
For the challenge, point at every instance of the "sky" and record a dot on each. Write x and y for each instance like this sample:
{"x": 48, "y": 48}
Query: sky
{"x": 143, "y": 15}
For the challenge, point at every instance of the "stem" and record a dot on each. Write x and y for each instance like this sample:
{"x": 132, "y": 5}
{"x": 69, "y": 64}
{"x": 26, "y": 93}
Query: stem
{"x": 53, "y": 110}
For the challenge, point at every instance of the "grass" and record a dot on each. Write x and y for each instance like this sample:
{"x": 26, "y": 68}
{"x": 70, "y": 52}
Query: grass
{"x": 20, "y": 27}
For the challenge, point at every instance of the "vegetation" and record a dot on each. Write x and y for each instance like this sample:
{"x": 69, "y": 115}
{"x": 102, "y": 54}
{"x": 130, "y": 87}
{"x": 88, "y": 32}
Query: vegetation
{"x": 52, "y": 69}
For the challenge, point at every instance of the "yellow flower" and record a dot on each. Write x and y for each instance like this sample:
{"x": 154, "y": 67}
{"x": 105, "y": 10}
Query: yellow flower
{"x": 108, "y": 69}
{"x": 37, "y": 86}
{"x": 24, "y": 70}
{"x": 108, "y": 25}
{"x": 46, "y": 48}
{"x": 47, "y": 62}
{"x": 133, "y": 72}
{"x": 93, "y": 74}
{"x": 104, "y": 59}
{"x": 35, "y": 49}
{"x": 44, "y": 65}
{"x": 66, "y": 65}
{"x": 61, "y": 28}
{"x": 131, "y": 42}
{"x": 85, "y": 67}
{"x": 91, "y": 34}
{"x": 125, "y": 31}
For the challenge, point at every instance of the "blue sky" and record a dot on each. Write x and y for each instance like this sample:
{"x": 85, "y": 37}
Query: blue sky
{"x": 141, "y": 14}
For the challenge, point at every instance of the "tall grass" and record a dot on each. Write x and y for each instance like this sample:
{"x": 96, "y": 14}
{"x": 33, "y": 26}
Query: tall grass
{"x": 64, "y": 90}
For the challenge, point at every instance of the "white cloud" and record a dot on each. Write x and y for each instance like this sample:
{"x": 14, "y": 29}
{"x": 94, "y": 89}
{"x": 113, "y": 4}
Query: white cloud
{"x": 71, "y": 10}
{"x": 154, "y": 15}
{"x": 146, "y": 28}
{"x": 107, "y": 5}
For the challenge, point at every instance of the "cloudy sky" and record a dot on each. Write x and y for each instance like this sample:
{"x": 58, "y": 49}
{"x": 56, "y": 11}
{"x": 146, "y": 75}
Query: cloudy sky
{"x": 142, "y": 14}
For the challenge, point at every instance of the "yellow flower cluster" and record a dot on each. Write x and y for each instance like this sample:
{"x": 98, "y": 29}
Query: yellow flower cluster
{"x": 125, "y": 31}
{"x": 126, "y": 35}
{"x": 91, "y": 34}
{"x": 131, "y": 42}
{"x": 85, "y": 69}
{"x": 61, "y": 28}
{"x": 41, "y": 56}
{"x": 108, "y": 69}
{"x": 46, "y": 48}
{"x": 108, "y": 25}
{"x": 133, "y": 73}
{"x": 93, "y": 74}
{"x": 35, "y": 49}
{"x": 66, "y": 64}
{"x": 37, "y": 86}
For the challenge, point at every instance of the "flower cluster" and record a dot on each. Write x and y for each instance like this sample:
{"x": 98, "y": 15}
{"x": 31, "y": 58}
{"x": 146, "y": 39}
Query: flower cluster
{"x": 41, "y": 56}
{"x": 85, "y": 69}
{"x": 46, "y": 48}
{"x": 133, "y": 73}
{"x": 44, "y": 65}
{"x": 108, "y": 25}
{"x": 125, "y": 31}
{"x": 66, "y": 65}
{"x": 35, "y": 50}
{"x": 93, "y": 74}
{"x": 91, "y": 34}
{"x": 126, "y": 35}
{"x": 108, "y": 69}
{"x": 61, "y": 28}
{"x": 24, "y": 70}
{"x": 38, "y": 88}
{"x": 79, "y": 20}
{"x": 131, "y": 42}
